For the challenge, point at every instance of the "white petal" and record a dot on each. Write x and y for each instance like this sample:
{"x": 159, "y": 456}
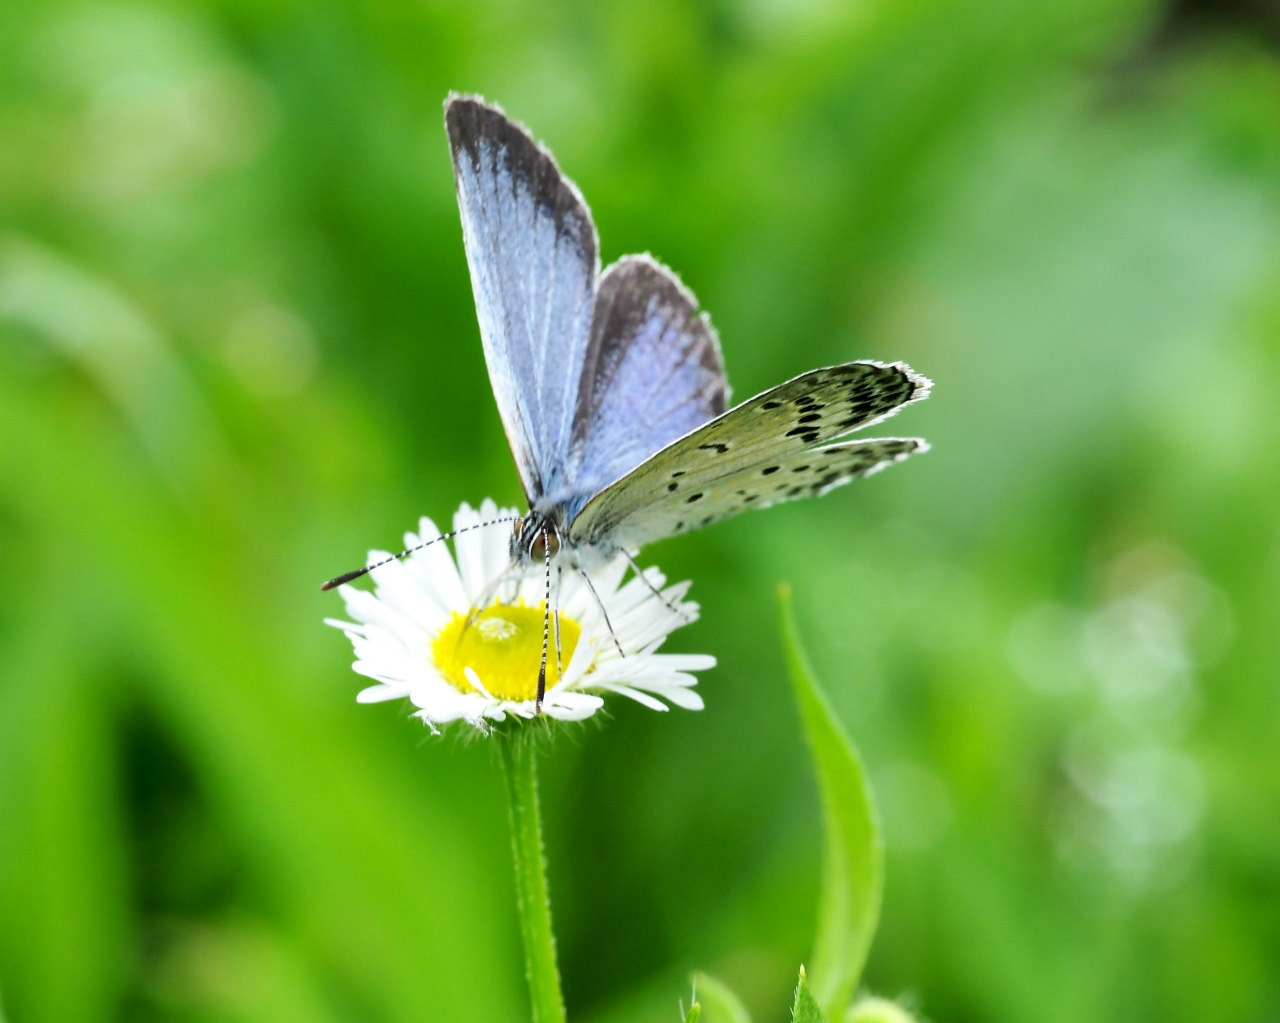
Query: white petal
{"x": 381, "y": 693}
{"x": 482, "y": 551}
{"x": 442, "y": 706}
{"x": 474, "y": 679}
{"x": 686, "y": 662}
{"x": 433, "y": 569}
{"x": 684, "y": 697}
{"x": 418, "y": 613}
{"x": 644, "y": 699}
{"x": 572, "y": 706}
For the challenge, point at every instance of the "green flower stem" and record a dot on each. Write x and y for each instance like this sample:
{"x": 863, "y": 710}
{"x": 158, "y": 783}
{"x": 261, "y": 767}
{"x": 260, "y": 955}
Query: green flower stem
{"x": 519, "y": 769}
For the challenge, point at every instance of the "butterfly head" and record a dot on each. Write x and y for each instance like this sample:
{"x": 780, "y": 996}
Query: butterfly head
{"x": 535, "y": 538}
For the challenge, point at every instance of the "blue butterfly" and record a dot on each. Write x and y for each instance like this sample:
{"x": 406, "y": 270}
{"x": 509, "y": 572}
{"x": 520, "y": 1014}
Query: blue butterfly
{"x": 611, "y": 385}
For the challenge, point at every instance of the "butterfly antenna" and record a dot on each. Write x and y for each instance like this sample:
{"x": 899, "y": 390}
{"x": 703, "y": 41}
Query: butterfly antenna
{"x": 546, "y": 620}
{"x": 556, "y": 619}
{"x": 655, "y": 591}
{"x": 347, "y": 577}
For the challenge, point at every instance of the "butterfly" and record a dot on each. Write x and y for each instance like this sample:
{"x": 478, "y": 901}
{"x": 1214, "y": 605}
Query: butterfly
{"x": 610, "y": 384}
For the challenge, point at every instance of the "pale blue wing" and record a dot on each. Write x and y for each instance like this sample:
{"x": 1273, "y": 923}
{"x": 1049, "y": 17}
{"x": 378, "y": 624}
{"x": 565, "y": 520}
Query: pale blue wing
{"x": 765, "y": 450}
{"x": 652, "y": 373}
{"x": 532, "y": 251}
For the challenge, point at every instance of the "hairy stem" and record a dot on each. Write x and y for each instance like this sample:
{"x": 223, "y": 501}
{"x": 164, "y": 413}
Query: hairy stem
{"x": 519, "y": 768}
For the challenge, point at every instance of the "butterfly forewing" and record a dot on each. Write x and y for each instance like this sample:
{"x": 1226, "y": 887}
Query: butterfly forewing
{"x": 653, "y": 372}
{"x": 728, "y": 465}
{"x": 532, "y": 252}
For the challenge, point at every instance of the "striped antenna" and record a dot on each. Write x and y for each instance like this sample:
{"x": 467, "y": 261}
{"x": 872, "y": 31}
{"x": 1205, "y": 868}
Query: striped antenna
{"x": 347, "y": 577}
{"x": 546, "y": 619}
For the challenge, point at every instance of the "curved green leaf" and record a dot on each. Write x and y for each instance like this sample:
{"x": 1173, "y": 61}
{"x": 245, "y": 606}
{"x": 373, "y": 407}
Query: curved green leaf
{"x": 853, "y": 861}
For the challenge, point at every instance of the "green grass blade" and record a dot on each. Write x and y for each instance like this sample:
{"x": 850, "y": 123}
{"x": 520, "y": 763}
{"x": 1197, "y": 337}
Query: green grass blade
{"x": 853, "y": 862}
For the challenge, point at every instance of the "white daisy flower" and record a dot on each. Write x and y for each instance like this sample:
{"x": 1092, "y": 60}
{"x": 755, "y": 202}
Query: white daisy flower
{"x": 419, "y": 636}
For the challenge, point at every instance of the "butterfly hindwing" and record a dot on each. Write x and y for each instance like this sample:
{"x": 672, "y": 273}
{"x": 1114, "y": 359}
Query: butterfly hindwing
{"x": 653, "y": 372}
{"x": 809, "y": 473}
{"x": 709, "y": 474}
{"x": 532, "y": 252}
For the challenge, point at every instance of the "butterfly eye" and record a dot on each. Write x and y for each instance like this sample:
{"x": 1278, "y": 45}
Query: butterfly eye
{"x": 546, "y": 539}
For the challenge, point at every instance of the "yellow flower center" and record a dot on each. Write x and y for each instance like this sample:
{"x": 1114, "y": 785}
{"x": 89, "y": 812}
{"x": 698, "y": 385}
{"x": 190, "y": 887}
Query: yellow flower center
{"x": 503, "y": 646}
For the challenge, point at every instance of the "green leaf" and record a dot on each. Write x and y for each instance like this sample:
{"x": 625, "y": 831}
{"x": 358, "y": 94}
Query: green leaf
{"x": 720, "y": 1003}
{"x": 805, "y": 1009}
{"x": 853, "y": 862}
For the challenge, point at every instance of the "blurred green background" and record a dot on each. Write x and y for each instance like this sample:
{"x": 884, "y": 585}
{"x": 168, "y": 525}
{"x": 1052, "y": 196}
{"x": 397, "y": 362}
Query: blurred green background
{"x": 238, "y": 348}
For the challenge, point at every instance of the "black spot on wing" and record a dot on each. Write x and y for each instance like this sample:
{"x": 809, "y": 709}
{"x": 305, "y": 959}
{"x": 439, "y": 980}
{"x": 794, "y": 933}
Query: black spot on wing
{"x": 844, "y": 462}
{"x": 823, "y": 404}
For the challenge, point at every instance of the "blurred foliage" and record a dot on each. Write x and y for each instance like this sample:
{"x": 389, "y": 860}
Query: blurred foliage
{"x": 237, "y": 349}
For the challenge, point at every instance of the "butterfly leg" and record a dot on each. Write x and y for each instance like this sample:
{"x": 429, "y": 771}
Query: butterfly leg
{"x": 604, "y": 612}
{"x": 556, "y": 619}
{"x": 654, "y": 590}
{"x": 488, "y": 592}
